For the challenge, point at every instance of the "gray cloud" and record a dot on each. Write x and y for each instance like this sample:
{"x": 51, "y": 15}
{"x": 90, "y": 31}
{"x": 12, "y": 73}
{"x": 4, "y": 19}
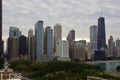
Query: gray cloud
{"x": 72, "y": 14}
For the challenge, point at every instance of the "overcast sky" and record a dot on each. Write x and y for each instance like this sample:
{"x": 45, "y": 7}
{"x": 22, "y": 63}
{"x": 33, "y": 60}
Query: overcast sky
{"x": 71, "y": 14}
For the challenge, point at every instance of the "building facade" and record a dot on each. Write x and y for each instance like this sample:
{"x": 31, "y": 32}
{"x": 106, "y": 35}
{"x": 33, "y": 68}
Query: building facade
{"x": 49, "y": 43}
{"x": 14, "y": 32}
{"x": 57, "y": 34}
{"x": 14, "y": 48}
{"x": 111, "y": 47}
{"x": 62, "y": 50}
{"x": 33, "y": 48}
{"x": 78, "y": 52}
{"x": 101, "y": 36}
{"x": 118, "y": 47}
{"x": 22, "y": 45}
{"x": 71, "y": 36}
{"x": 39, "y": 40}
{"x": 30, "y": 34}
{"x": 93, "y": 37}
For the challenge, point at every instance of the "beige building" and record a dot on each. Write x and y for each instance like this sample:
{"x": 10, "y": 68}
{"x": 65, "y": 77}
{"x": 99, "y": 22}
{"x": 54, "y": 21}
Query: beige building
{"x": 6, "y": 74}
{"x": 57, "y": 34}
{"x": 78, "y": 53}
{"x": 14, "y": 48}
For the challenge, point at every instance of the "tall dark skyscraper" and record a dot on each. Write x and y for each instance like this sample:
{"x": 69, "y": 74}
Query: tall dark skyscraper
{"x": 101, "y": 38}
{"x": 22, "y": 45}
{"x": 1, "y": 42}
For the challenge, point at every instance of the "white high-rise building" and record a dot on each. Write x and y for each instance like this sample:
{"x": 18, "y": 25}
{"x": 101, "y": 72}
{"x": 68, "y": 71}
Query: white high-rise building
{"x": 39, "y": 40}
{"x": 93, "y": 37}
{"x": 62, "y": 50}
{"x": 57, "y": 34}
{"x": 49, "y": 43}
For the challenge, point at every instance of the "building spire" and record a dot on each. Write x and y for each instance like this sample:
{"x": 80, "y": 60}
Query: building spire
{"x": 101, "y": 7}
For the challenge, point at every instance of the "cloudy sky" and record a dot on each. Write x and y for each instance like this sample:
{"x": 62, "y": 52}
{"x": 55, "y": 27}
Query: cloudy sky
{"x": 71, "y": 14}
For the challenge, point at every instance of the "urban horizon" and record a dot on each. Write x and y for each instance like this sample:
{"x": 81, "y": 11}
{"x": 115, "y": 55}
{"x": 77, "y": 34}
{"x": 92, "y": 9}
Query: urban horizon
{"x": 26, "y": 21}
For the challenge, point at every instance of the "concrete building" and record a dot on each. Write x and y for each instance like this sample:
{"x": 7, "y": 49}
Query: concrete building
{"x": 118, "y": 47}
{"x": 33, "y": 48}
{"x": 39, "y": 40}
{"x": 57, "y": 34}
{"x": 71, "y": 36}
{"x": 78, "y": 52}
{"x": 14, "y": 32}
{"x": 111, "y": 47}
{"x": 14, "y": 48}
{"x": 93, "y": 37}
{"x": 62, "y": 50}
{"x": 90, "y": 52}
{"x": 30, "y": 34}
{"x": 49, "y": 43}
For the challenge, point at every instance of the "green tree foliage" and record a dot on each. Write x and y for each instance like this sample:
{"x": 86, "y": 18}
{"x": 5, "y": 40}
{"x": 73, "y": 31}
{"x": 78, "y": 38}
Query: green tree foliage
{"x": 118, "y": 68}
{"x": 57, "y": 70}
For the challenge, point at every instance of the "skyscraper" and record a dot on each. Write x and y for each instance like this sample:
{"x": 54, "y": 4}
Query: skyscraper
{"x": 99, "y": 54}
{"x": 71, "y": 36}
{"x": 93, "y": 37}
{"x": 39, "y": 40}
{"x": 57, "y": 34}
{"x": 22, "y": 45}
{"x": 33, "y": 48}
{"x": 14, "y": 48}
{"x": 14, "y": 32}
{"x": 1, "y": 41}
{"x": 111, "y": 47}
{"x": 101, "y": 38}
{"x": 49, "y": 43}
{"x": 30, "y": 34}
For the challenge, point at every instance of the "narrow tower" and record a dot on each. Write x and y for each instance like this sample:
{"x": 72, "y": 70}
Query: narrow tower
{"x": 1, "y": 41}
{"x": 101, "y": 38}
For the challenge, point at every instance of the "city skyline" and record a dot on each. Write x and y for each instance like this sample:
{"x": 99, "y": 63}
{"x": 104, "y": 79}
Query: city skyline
{"x": 70, "y": 14}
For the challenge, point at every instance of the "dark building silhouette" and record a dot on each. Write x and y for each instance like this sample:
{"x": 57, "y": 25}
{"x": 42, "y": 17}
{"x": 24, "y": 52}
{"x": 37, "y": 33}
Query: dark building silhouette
{"x": 101, "y": 38}
{"x": 71, "y": 36}
{"x": 9, "y": 47}
{"x": 1, "y": 41}
{"x": 99, "y": 55}
{"x": 22, "y": 45}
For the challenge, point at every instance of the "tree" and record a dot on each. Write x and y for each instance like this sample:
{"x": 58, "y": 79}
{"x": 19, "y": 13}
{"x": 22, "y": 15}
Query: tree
{"x": 118, "y": 68}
